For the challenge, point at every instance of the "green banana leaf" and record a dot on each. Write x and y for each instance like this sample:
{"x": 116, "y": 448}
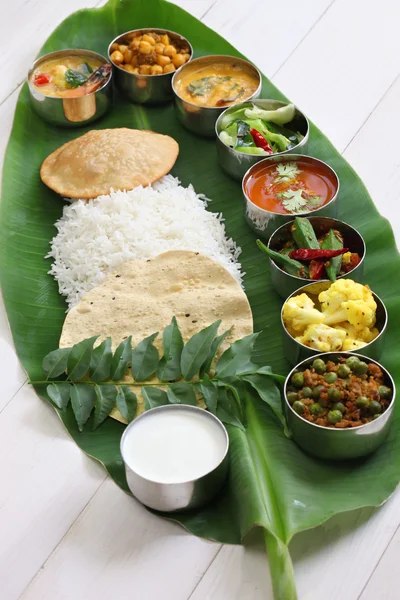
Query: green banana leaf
{"x": 272, "y": 483}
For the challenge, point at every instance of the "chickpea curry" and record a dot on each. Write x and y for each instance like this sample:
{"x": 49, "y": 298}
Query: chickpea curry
{"x": 150, "y": 53}
{"x": 339, "y": 395}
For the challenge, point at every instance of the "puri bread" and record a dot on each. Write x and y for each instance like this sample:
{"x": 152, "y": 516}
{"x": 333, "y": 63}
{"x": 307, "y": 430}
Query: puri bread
{"x": 105, "y": 159}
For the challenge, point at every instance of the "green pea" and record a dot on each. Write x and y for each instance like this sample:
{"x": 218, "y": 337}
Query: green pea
{"x": 319, "y": 366}
{"x": 384, "y": 392}
{"x": 333, "y": 394}
{"x": 375, "y": 408}
{"x": 362, "y": 402}
{"x": 334, "y": 416}
{"x": 374, "y": 417}
{"x": 297, "y": 380}
{"x": 340, "y": 406}
{"x": 306, "y": 392}
{"x": 352, "y": 361}
{"x": 343, "y": 371}
{"x": 299, "y": 407}
{"x": 291, "y": 397}
{"x": 360, "y": 368}
{"x": 316, "y": 409}
{"x": 330, "y": 377}
{"x": 317, "y": 391}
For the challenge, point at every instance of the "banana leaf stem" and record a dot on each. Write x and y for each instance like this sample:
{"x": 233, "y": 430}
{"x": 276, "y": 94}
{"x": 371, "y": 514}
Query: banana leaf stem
{"x": 281, "y": 568}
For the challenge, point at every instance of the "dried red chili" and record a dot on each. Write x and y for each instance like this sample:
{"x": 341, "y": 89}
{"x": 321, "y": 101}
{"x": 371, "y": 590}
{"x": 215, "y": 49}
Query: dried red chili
{"x": 260, "y": 141}
{"x": 316, "y": 268}
{"x": 311, "y": 254}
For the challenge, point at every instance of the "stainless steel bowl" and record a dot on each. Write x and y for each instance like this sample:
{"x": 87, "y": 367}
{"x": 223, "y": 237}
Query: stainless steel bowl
{"x": 264, "y": 222}
{"x": 295, "y": 352}
{"x": 145, "y": 89}
{"x": 71, "y": 112}
{"x": 237, "y": 163}
{"x": 169, "y": 497}
{"x": 333, "y": 443}
{"x": 201, "y": 119}
{"x": 284, "y": 283}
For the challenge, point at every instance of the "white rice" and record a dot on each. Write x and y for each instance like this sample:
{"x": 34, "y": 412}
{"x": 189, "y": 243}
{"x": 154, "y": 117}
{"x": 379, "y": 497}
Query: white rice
{"x": 96, "y": 236}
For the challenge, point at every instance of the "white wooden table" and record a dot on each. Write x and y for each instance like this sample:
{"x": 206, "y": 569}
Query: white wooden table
{"x": 66, "y": 530}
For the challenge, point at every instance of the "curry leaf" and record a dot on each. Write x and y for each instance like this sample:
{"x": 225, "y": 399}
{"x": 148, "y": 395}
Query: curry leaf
{"x": 55, "y": 363}
{"x": 100, "y": 363}
{"x": 209, "y": 391}
{"x": 105, "y": 402}
{"x": 126, "y": 402}
{"x": 59, "y": 393}
{"x": 181, "y": 393}
{"x": 153, "y": 397}
{"x": 236, "y": 359}
{"x": 145, "y": 359}
{"x": 227, "y": 409}
{"x": 169, "y": 367}
{"x": 83, "y": 398}
{"x": 197, "y": 349}
{"x": 79, "y": 359}
{"x": 237, "y": 389}
{"x": 121, "y": 359}
{"x": 206, "y": 366}
{"x": 269, "y": 393}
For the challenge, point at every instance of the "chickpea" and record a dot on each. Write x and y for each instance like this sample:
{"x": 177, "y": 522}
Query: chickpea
{"x": 145, "y": 48}
{"x": 185, "y": 50}
{"x": 165, "y": 39}
{"x": 162, "y": 60}
{"x": 159, "y": 48}
{"x": 114, "y": 47}
{"x": 128, "y": 55}
{"x": 136, "y": 70}
{"x": 170, "y": 50}
{"x": 134, "y": 61}
{"x": 149, "y": 39}
{"x": 186, "y": 57}
{"x": 169, "y": 68}
{"x": 145, "y": 69}
{"x": 135, "y": 44}
{"x": 178, "y": 60}
{"x": 117, "y": 57}
{"x": 156, "y": 70}
{"x": 122, "y": 48}
{"x": 128, "y": 68}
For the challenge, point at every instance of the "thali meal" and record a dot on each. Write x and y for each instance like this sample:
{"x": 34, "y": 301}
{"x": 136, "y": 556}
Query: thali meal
{"x": 343, "y": 317}
{"x": 70, "y": 76}
{"x": 254, "y": 130}
{"x": 345, "y": 394}
{"x": 150, "y": 53}
{"x": 216, "y": 83}
{"x": 108, "y": 159}
{"x": 309, "y": 257}
{"x": 293, "y": 187}
{"x": 95, "y": 237}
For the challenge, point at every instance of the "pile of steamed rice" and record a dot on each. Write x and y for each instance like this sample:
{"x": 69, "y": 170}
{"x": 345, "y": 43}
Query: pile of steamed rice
{"x": 96, "y": 236}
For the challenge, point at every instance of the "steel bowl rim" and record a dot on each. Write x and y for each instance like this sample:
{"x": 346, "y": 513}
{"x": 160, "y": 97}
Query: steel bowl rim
{"x": 301, "y": 289}
{"x": 168, "y": 407}
{"x": 339, "y": 353}
{"x": 290, "y": 157}
{"x": 63, "y": 52}
{"x": 217, "y": 56}
{"x": 255, "y": 100}
{"x": 156, "y": 29}
{"x": 294, "y": 277}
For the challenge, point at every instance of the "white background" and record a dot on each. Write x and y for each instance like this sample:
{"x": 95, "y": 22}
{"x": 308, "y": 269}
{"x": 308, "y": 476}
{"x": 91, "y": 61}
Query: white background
{"x": 66, "y": 531}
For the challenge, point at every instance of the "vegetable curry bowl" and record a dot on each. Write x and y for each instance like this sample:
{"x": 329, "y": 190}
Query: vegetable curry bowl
{"x": 279, "y": 188}
{"x": 339, "y": 405}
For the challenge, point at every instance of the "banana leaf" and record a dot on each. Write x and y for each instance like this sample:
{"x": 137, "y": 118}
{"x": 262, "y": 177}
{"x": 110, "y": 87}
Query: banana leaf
{"x": 272, "y": 484}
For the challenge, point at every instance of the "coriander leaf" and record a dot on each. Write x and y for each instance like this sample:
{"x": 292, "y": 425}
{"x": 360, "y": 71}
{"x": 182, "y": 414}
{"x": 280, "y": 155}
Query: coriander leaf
{"x": 209, "y": 391}
{"x": 286, "y": 171}
{"x": 293, "y": 200}
{"x": 79, "y": 359}
{"x": 59, "y": 393}
{"x": 153, "y": 397}
{"x": 100, "y": 363}
{"x": 237, "y": 358}
{"x": 145, "y": 359}
{"x": 169, "y": 367}
{"x": 269, "y": 393}
{"x": 314, "y": 200}
{"x": 196, "y": 350}
{"x": 121, "y": 359}
{"x": 127, "y": 403}
{"x": 74, "y": 78}
{"x": 181, "y": 393}
{"x": 227, "y": 410}
{"x": 105, "y": 402}
{"x": 55, "y": 363}
{"x": 206, "y": 366}
{"x": 83, "y": 398}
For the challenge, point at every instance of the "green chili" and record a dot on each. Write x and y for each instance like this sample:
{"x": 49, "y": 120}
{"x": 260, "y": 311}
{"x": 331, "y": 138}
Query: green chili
{"x": 293, "y": 267}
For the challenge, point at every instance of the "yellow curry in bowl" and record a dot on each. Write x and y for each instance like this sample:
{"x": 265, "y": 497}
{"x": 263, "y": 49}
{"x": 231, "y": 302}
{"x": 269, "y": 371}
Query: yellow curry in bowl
{"x": 215, "y": 82}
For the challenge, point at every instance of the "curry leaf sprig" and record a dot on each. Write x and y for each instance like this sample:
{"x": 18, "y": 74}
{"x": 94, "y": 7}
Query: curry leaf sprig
{"x": 96, "y": 379}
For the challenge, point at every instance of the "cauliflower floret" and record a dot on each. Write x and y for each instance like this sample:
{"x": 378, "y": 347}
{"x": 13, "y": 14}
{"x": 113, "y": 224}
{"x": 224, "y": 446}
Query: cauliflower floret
{"x": 299, "y": 313}
{"x": 346, "y": 300}
{"x": 362, "y": 335}
{"x": 323, "y": 338}
{"x": 350, "y": 345}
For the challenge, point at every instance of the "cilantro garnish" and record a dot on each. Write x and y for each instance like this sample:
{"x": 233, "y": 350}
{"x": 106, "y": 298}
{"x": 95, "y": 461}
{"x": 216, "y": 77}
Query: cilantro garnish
{"x": 293, "y": 200}
{"x": 286, "y": 171}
